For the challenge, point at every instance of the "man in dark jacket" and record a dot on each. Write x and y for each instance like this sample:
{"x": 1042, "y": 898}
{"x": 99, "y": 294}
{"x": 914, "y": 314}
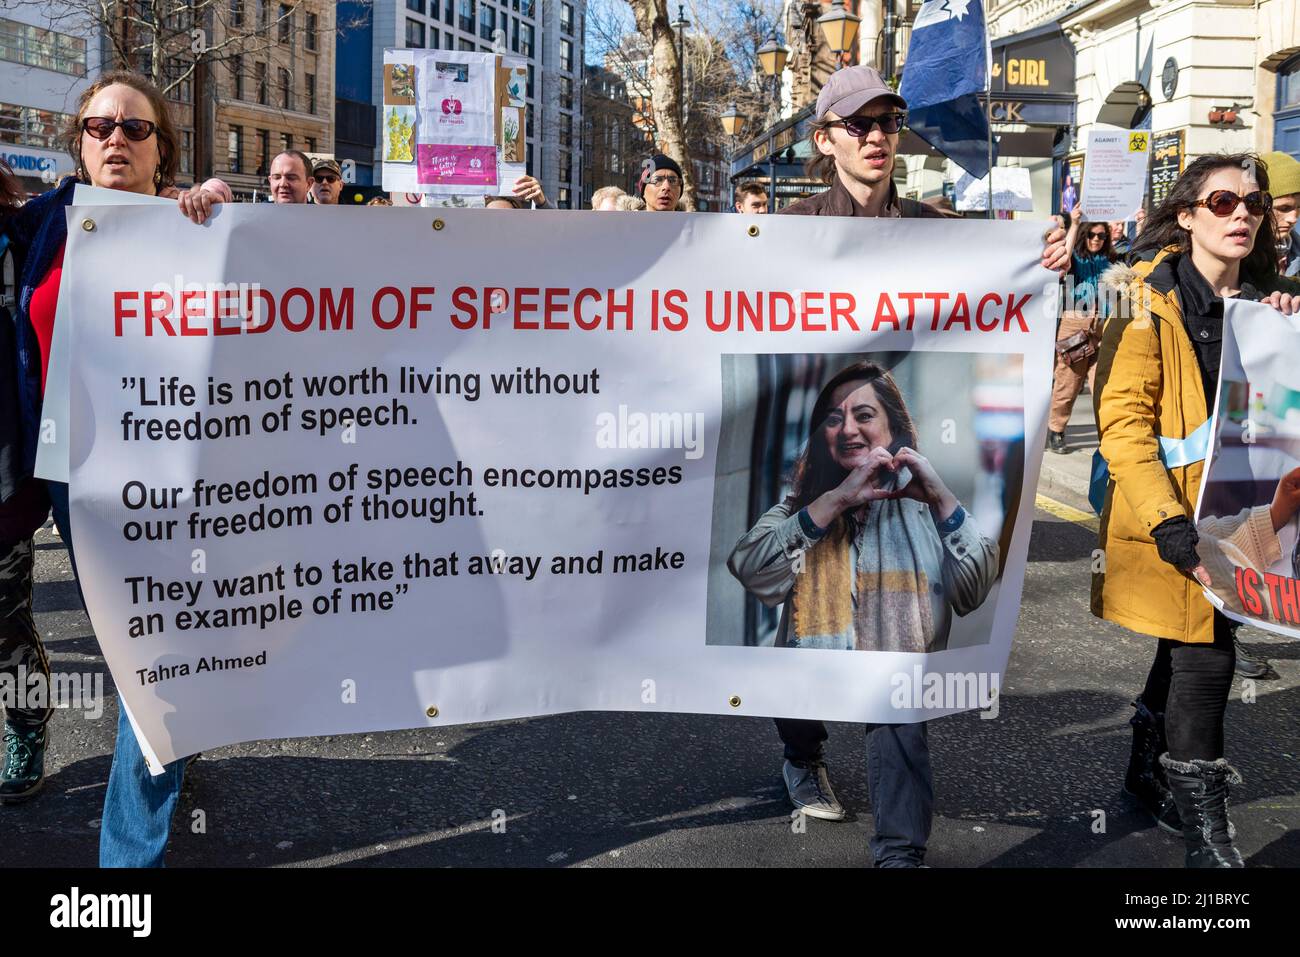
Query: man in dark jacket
{"x": 855, "y": 139}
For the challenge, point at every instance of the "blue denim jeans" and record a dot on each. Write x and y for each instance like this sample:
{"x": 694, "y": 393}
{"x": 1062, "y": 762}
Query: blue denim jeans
{"x": 137, "y": 806}
{"x": 899, "y": 778}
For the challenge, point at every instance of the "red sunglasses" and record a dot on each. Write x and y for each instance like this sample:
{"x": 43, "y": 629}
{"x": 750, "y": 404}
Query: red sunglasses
{"x": 1223, "y": 202}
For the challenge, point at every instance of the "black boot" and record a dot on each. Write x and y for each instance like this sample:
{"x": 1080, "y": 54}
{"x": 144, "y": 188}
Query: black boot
{"x": 1145, "y": 779}
{"x": 1200, "y": 790}
{"x": 1250, "y": 666}
{"x": 1056, "y": 442}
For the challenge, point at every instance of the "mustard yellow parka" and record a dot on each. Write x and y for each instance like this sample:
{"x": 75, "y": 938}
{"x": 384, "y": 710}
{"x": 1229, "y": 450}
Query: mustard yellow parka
{"x": 1148, "y": 385}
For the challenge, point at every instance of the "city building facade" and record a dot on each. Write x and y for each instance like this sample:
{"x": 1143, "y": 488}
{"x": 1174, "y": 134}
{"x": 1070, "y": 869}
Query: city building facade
{"x": 48, "y": 54}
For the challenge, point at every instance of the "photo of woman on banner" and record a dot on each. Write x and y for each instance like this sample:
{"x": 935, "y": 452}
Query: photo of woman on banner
{"x": 1265, "y": 539}
{"x": 870, "y": 551}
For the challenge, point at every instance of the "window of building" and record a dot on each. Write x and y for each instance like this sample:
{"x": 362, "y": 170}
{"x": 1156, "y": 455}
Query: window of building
{"x": 313, "y": 28}
{"x": 235, "y": 150}
{"x": 530, "y": 120}
{"x": 284, "y": 23}
{"x": 566, "y": 18}
{"x": 566, "y": 167}
{"x": 487, "y": 22}
{"x": 237, "y": 75}
{"x": 32, "y": 46}
{"x": 311, "y": 92}
{"x": 263, "y": 152}
{"x": 433, "y": 10}
{"x": 449, "y": 14}
{"x": 263, "y": 15}
{"x": 286, "y": 88}
{"x": 286, "y": 142}
{"x": 433, "y": 39}
{"x": 525, "y": 39}
{"x": 414, "y": 34}
{"x": 526, "y": 7}
{"x": 566, "y": 92}
{"x": 466, "y": 45}
{"x": 311, "y": 144}
{"x": 564, "y": 201}
{"x": 25, "y": 126}
{"x": 566, "y": 133}
{"x": 566, "y": 55}
{"x": 236, "y": 13}
{"x": 259, "y": 76}
{"x": 467, "y": 15}
{"x": 187, "y": 151}
{"x": 178, "y": 89}
{"x": 416, "y": 5}
{"x": 514, "y": 34}
{"x": 530, "y": 81}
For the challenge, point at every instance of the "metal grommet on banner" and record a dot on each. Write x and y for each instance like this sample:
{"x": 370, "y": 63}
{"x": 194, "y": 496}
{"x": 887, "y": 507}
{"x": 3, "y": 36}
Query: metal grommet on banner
{"x": 734, "y": 701}
{"x": 431, "y": 711}
{"x": 438, "y": 224}
{"x": 88, "y": 225}
{"x": 753, "y": 230}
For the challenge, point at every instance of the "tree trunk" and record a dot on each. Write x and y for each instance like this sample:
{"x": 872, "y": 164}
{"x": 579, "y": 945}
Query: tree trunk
{"x": 665, "y": 77}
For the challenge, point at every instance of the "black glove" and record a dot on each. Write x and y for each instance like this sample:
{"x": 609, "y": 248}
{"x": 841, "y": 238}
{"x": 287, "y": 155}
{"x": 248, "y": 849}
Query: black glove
{"x": 1176, "y": 540}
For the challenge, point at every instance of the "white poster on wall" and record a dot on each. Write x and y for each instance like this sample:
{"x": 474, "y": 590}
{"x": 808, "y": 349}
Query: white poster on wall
{"x": 405, "y": 485}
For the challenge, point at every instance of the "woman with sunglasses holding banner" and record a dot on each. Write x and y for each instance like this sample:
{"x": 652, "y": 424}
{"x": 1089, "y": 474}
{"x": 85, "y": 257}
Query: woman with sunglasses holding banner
{"x": 122, "y": 138}
{"x": 1211, "y": 239}
{"x": 1082, "y": 313}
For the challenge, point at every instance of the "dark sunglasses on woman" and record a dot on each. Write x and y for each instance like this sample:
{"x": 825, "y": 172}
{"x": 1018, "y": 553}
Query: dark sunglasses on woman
{"x": 861, "y": 125}
{"x": 102, "y": 127}
{"x": 1223, "y": 202}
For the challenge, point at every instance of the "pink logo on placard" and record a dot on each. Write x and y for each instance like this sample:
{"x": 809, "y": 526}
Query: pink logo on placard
{"x": 450, "y": 106}
{"x": 446, "y": 164}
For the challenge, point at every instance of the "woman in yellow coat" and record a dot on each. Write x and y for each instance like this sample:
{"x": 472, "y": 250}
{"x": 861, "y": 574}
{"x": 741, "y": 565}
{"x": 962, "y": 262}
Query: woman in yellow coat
{"x": 1157, "y": 375}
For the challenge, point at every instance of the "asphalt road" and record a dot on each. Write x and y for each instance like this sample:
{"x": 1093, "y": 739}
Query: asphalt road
{"x": 610, "y": 790}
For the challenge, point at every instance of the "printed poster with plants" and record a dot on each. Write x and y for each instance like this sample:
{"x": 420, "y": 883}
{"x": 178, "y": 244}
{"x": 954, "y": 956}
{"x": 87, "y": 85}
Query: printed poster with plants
{"x": 454, "y": 123}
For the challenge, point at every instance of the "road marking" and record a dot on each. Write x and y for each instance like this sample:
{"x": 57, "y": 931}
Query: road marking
{"x": 1065, "y": 512}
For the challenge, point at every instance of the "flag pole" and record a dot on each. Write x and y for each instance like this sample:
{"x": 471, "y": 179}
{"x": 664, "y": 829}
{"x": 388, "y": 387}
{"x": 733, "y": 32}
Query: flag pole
{"x": 988, "y": 109}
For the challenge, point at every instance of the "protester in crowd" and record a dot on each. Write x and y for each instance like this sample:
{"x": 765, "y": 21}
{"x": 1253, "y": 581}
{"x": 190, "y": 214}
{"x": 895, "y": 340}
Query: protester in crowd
{"x": 1083, "y": 312}
{"x": 751, "y": 198}
{"x": 629, "y": 204}
{"x": 326, "y": 182}
{"x": 23, "y": 507}
{"x": 380, "y": 201}
{"x": 854, "y": 140}
{"x": 1284, "y": 175}
{"x": 526, "y": 190}
{"x": 606, "y": 199}
{"x": 290, "y": 178}
{"x": 122, "y": 137}
{"x": 1159, "y": 367}
{"x": 660, "y": 184}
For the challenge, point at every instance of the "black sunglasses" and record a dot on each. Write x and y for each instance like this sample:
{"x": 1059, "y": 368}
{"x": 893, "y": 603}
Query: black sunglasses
{"x": 1098, "y": 235}
{"x": 861, "y": 125}
{"x": 1223, "y": 202}
{"x": 102, "y": 127}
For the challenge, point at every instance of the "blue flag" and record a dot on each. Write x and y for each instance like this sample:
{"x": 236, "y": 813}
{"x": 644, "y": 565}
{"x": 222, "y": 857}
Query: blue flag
{"x": 945, "y": 73}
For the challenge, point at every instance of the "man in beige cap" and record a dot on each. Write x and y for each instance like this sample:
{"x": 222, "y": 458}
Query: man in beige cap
{"x": 1284, "y": 184}
{"x": 327, "y": 182}
{"x": 854, "y": 142}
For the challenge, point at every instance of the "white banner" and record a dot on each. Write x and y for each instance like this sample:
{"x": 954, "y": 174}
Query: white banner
{"x": 455, "y": 467}
{"x": 1248, "y": 515}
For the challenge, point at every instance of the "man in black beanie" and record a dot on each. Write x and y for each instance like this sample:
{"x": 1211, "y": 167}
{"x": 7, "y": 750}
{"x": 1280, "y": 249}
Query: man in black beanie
{"x": 660, "y": 184}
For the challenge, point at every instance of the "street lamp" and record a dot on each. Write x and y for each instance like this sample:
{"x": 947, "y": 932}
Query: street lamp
{"x": 840, "y": 28}
{"x": 733, "y": 121}
{"x": 772, "y": 57}
{"x": 680, "y": 26}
